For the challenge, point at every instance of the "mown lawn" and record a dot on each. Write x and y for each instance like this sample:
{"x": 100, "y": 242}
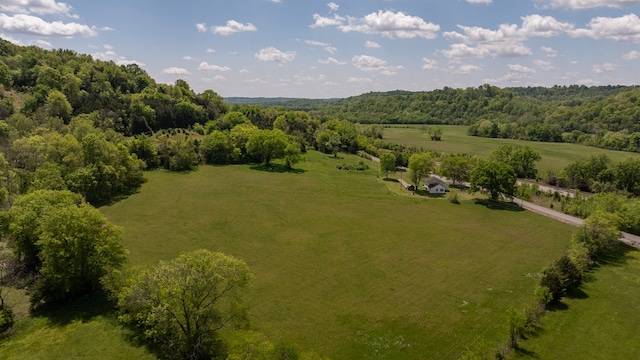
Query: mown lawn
{"x": 455, "y": 140}
{"x": 600, "y": 322}
{"x": 344, "y": 266}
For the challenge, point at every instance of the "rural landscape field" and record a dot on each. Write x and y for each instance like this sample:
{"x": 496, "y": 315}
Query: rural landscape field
{"x": 251, "y": 187}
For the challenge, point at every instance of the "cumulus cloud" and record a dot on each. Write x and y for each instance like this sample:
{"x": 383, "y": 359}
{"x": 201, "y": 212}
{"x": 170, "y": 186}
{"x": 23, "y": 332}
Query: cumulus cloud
{"x": 232, "y": 27}
{"x": 327, "y": 47}
{"x": 372, "y": 45}
{"x": 27, "y": 24}
{"x": 333, "y": 6}
{"x": 544, "y": 65}
{"x": 606, "y": 67}
{"x": 373, "y": 64}
{"x": 392, "y": 25}
{"x": 506, "y": 41}
{"x": 273, "y": 54}
{"x": 463, "y": 69}
{"x": 480, "y": 1}
{"x": 40, "y": 7}
{"x": 110, "y": 55}
{"x": 202, "y": 27}
{"x": 624, "y": 28}
{"x": 211, "y": 67}
{"x": 632, "y": 55}
{"x": 321, "y": 21}
{"x": 521, "y": 69}
{"x": 332, "y": 61}
{"x": 429, "y": 64}
{"x": 175, "y": 71}
{"x": 587, "y": 4}
{"x": 551, "y": 52}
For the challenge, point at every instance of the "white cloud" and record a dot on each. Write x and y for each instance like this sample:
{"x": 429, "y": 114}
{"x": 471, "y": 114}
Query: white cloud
{"x": 27, "y": 24}
{"x": 544, "y": 65}
{"x": 276, "y": 1}
{"x": 392, "y": 25}
{"x": 463, "y": 69}
{"x": 521, "y": 69}
{"x": 622, "y": 28}
{"x": 202, "y": 27}
{"x": 233, "y": 27}
{"x": 175, "y": 71}
{"x": 632, "y": 55}
{"x": 210, "y": 51}
{"x": 211, "y": 67}
{"x": 551, "y": 52}
{"x": 429, "y": 64}
{"x": 40, "y": 7}
{"x": 110, "y": 55}
{"x": 606, "y": 67}
{"x": 359, "y": 80}
{"x": 333, "y": 6}
{"x": 187, "y": 58}
{"x": 587, "y": 4}
{"x": 327, "y": 47}
{"x": 506, "y": 41}
{"x": 480, "y": 1}
{"x": 372, "y": 45}
{"x": 273, "y": 54}
{"x": 373, "y": 64}
{"x": 321, "y": 21}
{"x": 332, "y": 61}
{"x": 243, "y": 71}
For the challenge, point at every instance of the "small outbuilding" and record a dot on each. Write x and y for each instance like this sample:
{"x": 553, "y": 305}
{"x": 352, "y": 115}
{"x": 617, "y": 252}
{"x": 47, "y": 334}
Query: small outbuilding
{"x": 435, "y": 185}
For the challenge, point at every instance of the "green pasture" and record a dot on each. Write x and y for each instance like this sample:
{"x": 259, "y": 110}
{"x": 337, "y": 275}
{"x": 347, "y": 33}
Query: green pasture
{"x": 455, "y": 140}
{"x": 599, "y": 322}
{"x": 344, "y": 266}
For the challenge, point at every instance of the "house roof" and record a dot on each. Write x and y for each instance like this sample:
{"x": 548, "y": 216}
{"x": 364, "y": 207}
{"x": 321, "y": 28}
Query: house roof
{"x": 433, "y": 181}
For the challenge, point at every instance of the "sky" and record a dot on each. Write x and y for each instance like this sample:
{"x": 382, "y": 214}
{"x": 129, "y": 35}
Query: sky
{"x": 323, "y": 49}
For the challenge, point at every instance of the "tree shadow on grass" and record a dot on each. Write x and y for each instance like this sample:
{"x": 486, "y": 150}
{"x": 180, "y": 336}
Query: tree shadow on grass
{"x": 83, "y": 308}
{"x": 619, "y": 256}
{"x": 390, "y": 180}
{"x": 277, "y": 168}
{"x": 498, "y": 205}
{"x": 526, "y": 353}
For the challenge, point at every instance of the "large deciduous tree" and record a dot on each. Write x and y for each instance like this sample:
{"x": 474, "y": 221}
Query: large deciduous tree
{"x": 387, "y": 162}
{"x": 267, "y": 145}
{"x": 180, "y": 305}
{"x": 495, "y": 178}
{"x": 522, "y": 158}
{"x": 420, "y": 166}
{"x": 66, "y": 241}
{"x": 455, "y": 167}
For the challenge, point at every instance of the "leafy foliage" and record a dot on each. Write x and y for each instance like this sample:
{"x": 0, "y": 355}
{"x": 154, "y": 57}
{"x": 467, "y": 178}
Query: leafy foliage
{"x": 495, "y": 178}
{"x": 180, "y": 304}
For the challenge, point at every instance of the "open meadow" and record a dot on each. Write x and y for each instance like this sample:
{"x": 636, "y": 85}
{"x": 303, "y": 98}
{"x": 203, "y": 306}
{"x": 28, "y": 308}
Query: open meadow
{"x": 344, "y": 266}
{"x": 598, "y": 322}
{"x": 455, "y": 140}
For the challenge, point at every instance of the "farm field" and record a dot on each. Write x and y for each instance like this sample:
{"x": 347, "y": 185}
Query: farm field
{"x": 455, "y": 140}
{"x": 601, "y": 322}
{"x": 344, "y": 266}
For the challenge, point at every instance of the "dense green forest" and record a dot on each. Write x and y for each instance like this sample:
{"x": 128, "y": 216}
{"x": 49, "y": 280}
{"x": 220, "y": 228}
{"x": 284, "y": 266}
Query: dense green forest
{"x": 601, "y": 116}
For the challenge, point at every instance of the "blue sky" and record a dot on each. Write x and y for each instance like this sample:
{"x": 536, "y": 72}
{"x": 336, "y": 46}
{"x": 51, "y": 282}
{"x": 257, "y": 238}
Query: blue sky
{"x": 322, "y": 49}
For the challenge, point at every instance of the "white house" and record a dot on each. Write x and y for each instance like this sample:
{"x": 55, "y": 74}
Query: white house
{"x": 435, "y": 185}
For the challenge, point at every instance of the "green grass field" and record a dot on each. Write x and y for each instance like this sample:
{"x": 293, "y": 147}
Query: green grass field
{"x": 455, "y": 140}
{"x": 601, "y": 322}
{"x": 345, "y": 266}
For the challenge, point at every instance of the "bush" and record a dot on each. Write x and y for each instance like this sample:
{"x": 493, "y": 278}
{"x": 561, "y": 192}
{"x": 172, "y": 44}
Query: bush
{"x": 6, "y": 319}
